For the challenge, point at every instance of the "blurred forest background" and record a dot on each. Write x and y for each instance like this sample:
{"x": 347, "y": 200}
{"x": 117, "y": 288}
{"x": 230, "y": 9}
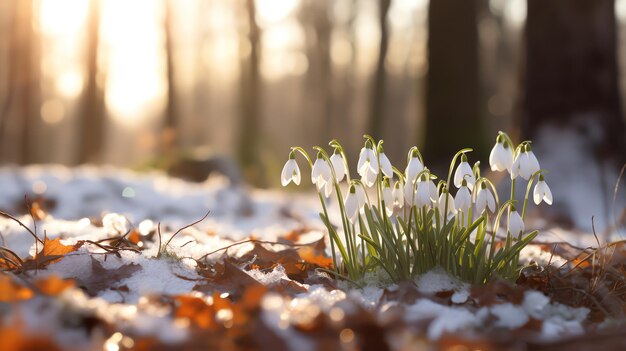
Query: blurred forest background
{"x": 148, "y": 82}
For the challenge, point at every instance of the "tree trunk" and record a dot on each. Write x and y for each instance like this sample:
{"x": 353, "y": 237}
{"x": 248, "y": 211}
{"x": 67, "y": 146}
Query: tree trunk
{"x": 23, "y": 105}
{"x": 571, "y": 71}
{"x": 92, "y": 112}
{"x": 170, "y": 109}
{"x": 453, "y": 90}
{"x": 377, "y": 108}
{"x": 249, "y": 101}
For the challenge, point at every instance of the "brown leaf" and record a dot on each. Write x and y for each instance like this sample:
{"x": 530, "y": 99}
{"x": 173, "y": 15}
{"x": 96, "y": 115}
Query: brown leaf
{"x": 52, "y": 251}
{"x": 227, "y": 277}
{"x": 103, "y": 279}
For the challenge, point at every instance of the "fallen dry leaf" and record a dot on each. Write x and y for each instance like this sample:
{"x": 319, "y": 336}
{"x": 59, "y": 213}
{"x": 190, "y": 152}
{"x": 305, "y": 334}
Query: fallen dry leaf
{"x": 53, "y": 285}
{"x": 101, "y": 279}
{"x": 11, "y": 291}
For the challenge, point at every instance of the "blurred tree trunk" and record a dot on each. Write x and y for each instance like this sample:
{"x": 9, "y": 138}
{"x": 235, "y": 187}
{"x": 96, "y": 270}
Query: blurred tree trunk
{"x": 377, "y": 108}
{"x": 319, "y": 88}
{"x": 92, "y": 112}
{"x": 571, "y": 71}
{"x": 453, "y": 89}
{"x": 249, "y": 100}
{"x": 24, "y": 78}
{"x": 171, "y": 120}
{"x": 169, "y": 138}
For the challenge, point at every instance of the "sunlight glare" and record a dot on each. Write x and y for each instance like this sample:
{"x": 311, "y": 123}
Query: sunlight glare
{"x": 272, "y": 11}
{"x": 62, "y": 17}
{"x": 133, "y": 40}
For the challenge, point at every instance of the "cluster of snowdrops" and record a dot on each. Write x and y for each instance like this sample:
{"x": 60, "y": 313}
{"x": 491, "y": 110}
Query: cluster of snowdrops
{"x": 407, "y": 223}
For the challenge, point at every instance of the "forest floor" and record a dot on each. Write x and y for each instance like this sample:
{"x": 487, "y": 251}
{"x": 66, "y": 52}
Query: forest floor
{"x": 103, "y": 258}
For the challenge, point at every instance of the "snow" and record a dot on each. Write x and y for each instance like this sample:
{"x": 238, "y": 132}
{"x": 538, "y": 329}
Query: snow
{"x": 86, "y": 195}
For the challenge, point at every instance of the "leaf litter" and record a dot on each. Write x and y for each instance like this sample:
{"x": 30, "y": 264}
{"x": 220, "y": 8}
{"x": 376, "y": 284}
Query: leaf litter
{"x": 257, "y": 282}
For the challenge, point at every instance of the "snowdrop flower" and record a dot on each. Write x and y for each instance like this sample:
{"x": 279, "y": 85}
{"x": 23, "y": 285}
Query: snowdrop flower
{"x": 464, "y": 172}
{"x": 501, "y": 156}
{"x": 368, "y": 165}
{"x": 385, "y": 164}
{"x": 516, "y": 224}
{"x": 525, "y": 164}
{"x": 426, "y": 192}
{"x": 485, "y": 199}
{"x": 351, "y": 204}
{"x": 291, "y": 171}
{"x": 321, "y": 176}
{"x": 542, "y": 192}
{"x": 336, "y": 160}
{"x": 414, "y": 167}
{"x": 463, "y": 199}
{"x": 398, "y": 194}
{"x": 442, "y": 204}
{"x": 388, "y": 196}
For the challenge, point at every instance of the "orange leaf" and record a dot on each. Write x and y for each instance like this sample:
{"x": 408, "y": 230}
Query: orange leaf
{"x": 196, "y": 310}
{"x": 11, "y": 291}
{"x": 307, "y": 254}
{"x": 53, "y": 285}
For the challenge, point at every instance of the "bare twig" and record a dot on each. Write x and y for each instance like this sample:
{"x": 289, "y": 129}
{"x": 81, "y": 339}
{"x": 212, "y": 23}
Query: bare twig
{"x": 180, "y": 230}
{"x": 2, "y": 213}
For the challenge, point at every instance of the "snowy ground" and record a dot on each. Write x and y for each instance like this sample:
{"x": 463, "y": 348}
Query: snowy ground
{"x": 127, "y": 293}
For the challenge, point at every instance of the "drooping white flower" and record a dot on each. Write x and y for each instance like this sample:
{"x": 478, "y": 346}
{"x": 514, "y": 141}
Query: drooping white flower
{"x": 414, "y": 167}
{"x": 321, "y": 176}
{"x": 485, "y": 199}
{"x": 516, "y": 224}
{"x": 388, "y": 197}
{"x": 385, "y": 164}
{"x": 534, "y": 163}
{"x": 464, "y": 172}
{"x": 398, "y": 194}
{"x": 351, "y": 204}
{"x": 361, "y": 197}
{"x": 442, "y": 204}
{"x": 291, "y": 172}
{"x": 339, "y": 166}
{"x": 525, "y": 164}
{"x": 426, "y": 192}
{"x": 463, "y": 199}
{"x": 542, "y": 192}
{"x": 501, "y": 156}
{"x": 367, "y": 166}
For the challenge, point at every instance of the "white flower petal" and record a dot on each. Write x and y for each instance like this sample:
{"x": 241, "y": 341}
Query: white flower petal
{"x": 362, "y": 159}
{"x": 463, "y": 199}
{"x": 442, "y": 204}
{"x": 533, "y": 163}
{"x": 422, "y": 196}
{"x": 414, "y": 167}
{"x": 516, "y": 224}
{"x": 385, "y": 165}
{"x": 525, "y": 166}
{"x": 464, "y": 171}
{"x": 351, "y": 205}
{"x": 339, "y": 166}
{"x": 290, "y": 172}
